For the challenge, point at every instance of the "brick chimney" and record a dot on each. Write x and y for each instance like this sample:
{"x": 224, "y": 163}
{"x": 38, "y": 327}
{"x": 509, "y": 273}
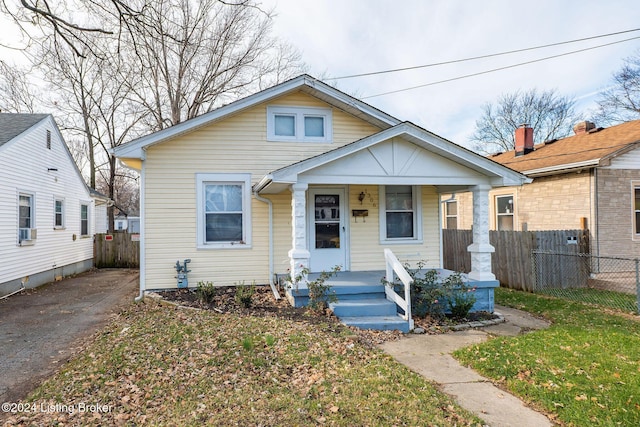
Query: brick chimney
{"x": 583, "y": 127}
{"x": 524, "y": 140}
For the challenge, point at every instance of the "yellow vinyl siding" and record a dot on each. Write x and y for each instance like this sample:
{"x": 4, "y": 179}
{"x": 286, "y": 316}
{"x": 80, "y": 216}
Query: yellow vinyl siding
{"x": 236, "y": 144}
{"x": 367, "y": 252}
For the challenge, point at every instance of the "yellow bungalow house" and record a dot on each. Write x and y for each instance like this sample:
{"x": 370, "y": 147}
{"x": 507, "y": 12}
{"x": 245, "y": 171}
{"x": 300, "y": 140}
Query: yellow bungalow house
{"x": 302, "y": 176}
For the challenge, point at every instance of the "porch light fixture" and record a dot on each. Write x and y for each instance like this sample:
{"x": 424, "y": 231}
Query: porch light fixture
{"x": 361, "y": 197}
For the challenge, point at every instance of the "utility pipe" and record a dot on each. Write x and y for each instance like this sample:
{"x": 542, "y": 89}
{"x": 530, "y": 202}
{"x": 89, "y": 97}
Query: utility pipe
{"x": 271, "y": 267}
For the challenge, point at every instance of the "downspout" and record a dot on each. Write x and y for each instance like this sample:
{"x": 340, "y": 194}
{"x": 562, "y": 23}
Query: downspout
{"x": 142, "y": 228}
{"x": 271, "y": 266}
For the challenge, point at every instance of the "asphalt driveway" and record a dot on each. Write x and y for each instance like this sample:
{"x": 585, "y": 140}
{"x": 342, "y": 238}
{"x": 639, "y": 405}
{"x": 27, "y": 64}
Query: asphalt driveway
{"x": 42, "y": 328}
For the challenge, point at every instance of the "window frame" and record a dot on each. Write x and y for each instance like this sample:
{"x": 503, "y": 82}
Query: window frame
{"x": 635, "y": 210}
{"x": 416, "y": 200}
{"x": 499, "y": 214}
{"x": 32, "y": 216}
{"x": 87, "y": 220}
{"x": 299, "y": 114}
{"x": 57, "y": 226}
{"x": 448, "y": 216}
{"x": 204, "y": 179}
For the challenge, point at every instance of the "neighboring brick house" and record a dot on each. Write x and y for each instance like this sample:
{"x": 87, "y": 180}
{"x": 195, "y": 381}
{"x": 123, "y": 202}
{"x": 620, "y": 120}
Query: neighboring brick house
{"x": 588, "y": 180}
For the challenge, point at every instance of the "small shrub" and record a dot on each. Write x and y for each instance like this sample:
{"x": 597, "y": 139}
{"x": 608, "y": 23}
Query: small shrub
{"x": 206, "y": 292}
{"x": 431, "y": 294}
{"x": 244, "y": 294}
{"x": 320, "y": 293}
{"x": 460, "y": 297}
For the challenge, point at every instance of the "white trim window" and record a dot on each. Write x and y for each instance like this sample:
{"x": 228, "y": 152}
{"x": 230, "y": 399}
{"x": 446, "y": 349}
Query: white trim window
{"x": 26, "y": 217}
{"x": 224, "y": 210}
{"x": 636, "y": 210}
{"x": 504, "y": 213}
{"x": 84, "y": 219}
{"x": 299, "y": 124}
{"x": 451, "y": 214}
{"x": 58, "y": 214}
{"x": 400, "y": 215}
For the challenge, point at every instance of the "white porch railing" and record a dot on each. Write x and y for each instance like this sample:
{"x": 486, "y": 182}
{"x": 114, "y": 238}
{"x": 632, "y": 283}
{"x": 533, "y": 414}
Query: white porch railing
{"x": 394, "y": 266}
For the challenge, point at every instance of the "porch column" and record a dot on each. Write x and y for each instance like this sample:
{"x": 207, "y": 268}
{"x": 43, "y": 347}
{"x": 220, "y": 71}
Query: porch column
{"x": 299, "y": 254}
{"x": 481, "y": 248}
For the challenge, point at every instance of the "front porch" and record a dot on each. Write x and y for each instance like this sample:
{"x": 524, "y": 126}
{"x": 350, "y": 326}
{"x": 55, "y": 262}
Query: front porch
{"x": 362, "y": 298}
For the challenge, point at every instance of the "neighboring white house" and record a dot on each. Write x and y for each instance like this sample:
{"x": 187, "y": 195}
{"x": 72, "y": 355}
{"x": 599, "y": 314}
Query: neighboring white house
{"x": 100, "y": 205}
{"x": 46, "y": 209}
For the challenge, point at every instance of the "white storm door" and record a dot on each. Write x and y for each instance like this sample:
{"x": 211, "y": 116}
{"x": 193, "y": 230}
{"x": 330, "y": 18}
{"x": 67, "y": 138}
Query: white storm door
{"x": 328, "y": 246}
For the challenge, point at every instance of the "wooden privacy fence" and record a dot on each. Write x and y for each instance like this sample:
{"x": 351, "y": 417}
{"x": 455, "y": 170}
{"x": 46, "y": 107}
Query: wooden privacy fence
{"x": 512, "y": 261}
{"x": 117, "y": 250}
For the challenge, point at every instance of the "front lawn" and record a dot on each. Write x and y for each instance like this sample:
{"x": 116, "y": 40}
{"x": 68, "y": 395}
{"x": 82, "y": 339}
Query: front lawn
{"x": 584, "y": 369}
{"x": 160, "y": 365}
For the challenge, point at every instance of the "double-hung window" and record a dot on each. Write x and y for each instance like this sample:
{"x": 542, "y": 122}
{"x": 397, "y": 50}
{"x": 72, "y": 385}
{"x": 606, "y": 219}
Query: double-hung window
{"x": 58, "y": 213}
{"x": 636, "y": 210}
{"x": 26, "y": 217}
{"x": 400, "y": 213}
{"x": 451, "y": 214}
{"x": 224, "y": 210}
{"x": 299, "y": 124}
{"x": 84, "y": 219}
{"x": 504, "y": 213}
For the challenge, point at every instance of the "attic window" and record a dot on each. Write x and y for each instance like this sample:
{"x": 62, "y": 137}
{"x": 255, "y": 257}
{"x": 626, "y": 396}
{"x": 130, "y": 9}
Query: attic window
{"x": 299, "y": 124}
{"x": 48, "y": 139}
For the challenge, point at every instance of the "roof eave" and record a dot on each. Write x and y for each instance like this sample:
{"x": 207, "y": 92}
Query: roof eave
{"x": 558, "y": 169}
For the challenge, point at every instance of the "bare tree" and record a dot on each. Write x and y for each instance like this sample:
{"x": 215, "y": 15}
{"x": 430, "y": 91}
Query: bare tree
{"x": 621, "y": 101}
{"x": 179, "y": 59}
{"x": 17, "y": 95}
{"x": 549, "y": 114}
{"x": 195, "y": 56}
{"x": 69, "y": 22}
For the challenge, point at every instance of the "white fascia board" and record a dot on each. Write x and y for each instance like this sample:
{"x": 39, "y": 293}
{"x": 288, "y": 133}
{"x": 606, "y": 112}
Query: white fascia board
{"x": 550, "y": 170}
{"x": 499, "y": 175}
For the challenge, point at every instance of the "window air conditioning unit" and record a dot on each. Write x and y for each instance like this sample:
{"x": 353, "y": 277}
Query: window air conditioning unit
{"x": 26, "y": 236}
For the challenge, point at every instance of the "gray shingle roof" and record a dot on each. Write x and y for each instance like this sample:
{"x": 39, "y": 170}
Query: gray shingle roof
{"x": 12, "y": 125}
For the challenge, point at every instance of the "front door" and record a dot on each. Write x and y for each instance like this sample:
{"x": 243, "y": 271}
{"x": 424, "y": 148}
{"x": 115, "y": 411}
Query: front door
{"x": 327, "y": 229}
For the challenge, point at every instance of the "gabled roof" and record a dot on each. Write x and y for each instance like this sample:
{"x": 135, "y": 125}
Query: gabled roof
{"x": 590, "y": 149}
{"x": 478, "y": 166}
{"x": 12, "y": 125}
{"x": 304, "y": 83}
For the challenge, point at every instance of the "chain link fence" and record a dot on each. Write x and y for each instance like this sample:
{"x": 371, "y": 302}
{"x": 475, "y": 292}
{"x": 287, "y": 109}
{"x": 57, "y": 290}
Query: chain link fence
{"x": 605, "y": 281}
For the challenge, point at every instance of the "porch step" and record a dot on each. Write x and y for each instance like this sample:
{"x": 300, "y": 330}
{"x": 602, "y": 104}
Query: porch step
{"x": 379, "y": 323}
{"x": 374, "y": 306}
{"x": 358, "y": 303}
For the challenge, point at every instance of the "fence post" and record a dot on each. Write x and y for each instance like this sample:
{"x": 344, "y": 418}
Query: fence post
{"x": 638, "y": 285}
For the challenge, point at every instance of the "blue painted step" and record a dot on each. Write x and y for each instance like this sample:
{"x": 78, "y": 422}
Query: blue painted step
{"x": 362, "y": 306}
{"x": 378, "y": 306}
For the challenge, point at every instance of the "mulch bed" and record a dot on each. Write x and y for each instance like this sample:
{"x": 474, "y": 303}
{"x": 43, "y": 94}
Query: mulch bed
{"x": 264, "y": 304}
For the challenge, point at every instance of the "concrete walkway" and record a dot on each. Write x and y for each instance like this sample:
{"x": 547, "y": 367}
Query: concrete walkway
{"x": 430, "y": 356}
{"x": 42, "y": 328}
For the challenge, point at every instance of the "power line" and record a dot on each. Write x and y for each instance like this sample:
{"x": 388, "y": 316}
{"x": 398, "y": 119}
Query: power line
{"x": 500, "y": 68}
{"x": 456, "y": 61}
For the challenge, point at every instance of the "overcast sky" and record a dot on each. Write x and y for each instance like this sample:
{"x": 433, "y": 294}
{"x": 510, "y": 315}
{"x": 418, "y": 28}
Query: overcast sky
{"x": 345, "y": 37}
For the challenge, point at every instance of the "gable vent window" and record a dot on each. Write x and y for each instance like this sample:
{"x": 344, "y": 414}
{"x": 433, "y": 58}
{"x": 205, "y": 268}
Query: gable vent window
{"x": 48, "y": 139}
{"x": 298, "y": 124}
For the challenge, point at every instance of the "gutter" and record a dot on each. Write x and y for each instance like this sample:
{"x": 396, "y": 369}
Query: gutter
{"x": 561, "y": 168}
{"x": 271, "y": 266}
{"x": 142, "y": 277}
